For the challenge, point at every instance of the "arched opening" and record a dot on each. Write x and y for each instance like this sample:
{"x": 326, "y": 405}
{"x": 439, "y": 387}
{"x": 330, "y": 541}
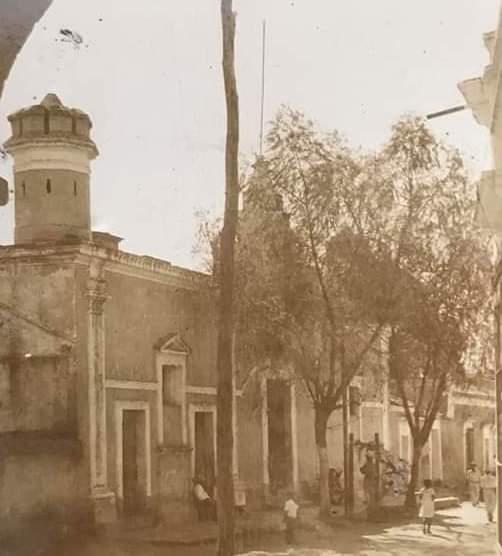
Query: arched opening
{"x": 75, "y": 188}
{"x": 23, "y": 188}
{"x": 48, "y": 186}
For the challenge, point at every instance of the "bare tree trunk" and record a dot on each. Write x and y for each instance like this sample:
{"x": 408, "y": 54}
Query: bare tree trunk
{"x": 346, "y": 471}
{"x": 411, "y": 501}
{"x": 321, "y": 425}
{"x": 225, "y": 329}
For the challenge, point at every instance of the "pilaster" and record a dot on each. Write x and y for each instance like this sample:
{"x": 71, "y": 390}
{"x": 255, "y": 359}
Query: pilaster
{"x": 103, "y": 498}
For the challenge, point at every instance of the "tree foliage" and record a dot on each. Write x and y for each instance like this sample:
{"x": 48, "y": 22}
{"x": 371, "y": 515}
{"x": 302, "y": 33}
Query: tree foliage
{"x": 296, "y": 216}
{"x": 435, "y": 299}
{"x": 339, "y": 253}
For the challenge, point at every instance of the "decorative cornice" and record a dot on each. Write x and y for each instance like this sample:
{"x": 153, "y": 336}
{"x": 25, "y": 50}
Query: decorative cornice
{"x": 147, "y": 268}
{"x": 121, "y": 262}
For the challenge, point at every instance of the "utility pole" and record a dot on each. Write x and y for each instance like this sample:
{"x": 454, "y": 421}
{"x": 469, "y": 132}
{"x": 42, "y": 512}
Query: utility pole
{"x": 224, "y": 356}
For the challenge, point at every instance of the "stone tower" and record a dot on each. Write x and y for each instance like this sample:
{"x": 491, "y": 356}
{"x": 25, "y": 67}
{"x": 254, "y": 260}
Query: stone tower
{"x": 52, "y": 150}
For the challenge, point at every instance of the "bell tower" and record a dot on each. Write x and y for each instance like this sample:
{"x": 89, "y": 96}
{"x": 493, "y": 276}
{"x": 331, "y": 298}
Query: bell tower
{"x": 52, "y": 150}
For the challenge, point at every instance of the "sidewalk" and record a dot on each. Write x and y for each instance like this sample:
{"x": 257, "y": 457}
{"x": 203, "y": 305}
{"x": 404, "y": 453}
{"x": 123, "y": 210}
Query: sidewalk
{"x": 458, "y": 531}
{"x": 248, "y": 526}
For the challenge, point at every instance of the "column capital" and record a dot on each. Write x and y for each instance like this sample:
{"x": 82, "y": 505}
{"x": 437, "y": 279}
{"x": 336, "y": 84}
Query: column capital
{"x": 97, "y": 295}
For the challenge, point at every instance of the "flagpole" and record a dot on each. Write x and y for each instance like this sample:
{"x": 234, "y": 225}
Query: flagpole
{"x": 262, "y": 104}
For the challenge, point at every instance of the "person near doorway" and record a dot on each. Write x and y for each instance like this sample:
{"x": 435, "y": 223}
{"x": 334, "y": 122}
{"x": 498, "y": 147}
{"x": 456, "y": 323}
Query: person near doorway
{"x": 370, "y": 481}
{"x": 290, "y": 518}
{"x": 426, "y": 512}
{"x": 474, "y": 483}
{"x": 489, "y": 486}
{"x": 206, "y": 507}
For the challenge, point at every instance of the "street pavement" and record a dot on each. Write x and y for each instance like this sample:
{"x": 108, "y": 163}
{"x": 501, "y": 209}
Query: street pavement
{"x": 460, "y": 531}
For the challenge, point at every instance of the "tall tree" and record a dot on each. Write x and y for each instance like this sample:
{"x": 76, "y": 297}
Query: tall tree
{"x": 226, "y": 292}
{"x": 433, "y": 298}
{"x": 321, "y": 333}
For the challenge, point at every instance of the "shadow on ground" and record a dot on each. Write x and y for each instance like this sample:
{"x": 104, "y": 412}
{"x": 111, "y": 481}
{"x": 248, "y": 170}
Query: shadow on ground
{"x": 459, "y": 531}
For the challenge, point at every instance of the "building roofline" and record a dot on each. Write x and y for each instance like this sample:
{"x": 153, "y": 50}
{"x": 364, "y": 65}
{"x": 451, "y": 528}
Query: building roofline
{"x": 115, "y": 261}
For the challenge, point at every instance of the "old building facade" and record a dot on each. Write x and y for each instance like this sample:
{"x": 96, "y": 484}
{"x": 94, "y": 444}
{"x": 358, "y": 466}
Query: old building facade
{"x": 482, "y": 95}
{"x": 107, "y": 358}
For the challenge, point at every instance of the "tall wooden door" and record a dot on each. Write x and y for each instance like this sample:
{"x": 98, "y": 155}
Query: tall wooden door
{"x": 280, "y": 455}
{"x": 133, "y": 461}
{"x": 469, "y": 446}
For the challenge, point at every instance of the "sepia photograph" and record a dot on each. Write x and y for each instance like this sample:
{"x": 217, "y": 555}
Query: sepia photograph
{"x": 250, "y": 278}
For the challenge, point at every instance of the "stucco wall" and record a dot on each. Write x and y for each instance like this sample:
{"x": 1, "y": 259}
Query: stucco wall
{"x": 308, "y": 462}
{"x": 39, "y": 384}
{"x": 44, "y": 292}
{"x": 175, "y": 488}
{"x": 371, "y": 423}
{"x": 140, "y": 312}
{"x": 42, "y": 467}
{"x": 39, "y": 395}
{"x": 43, "y": 484}
{"x": 51, "y": 204}
{"x": 250, "y": 442}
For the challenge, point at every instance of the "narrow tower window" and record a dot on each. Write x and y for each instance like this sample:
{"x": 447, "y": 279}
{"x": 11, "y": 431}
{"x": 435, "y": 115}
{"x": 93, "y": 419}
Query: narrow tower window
{"x": 48, "y": 186}
{"x": 75, "y": 188}
{"x": 23, "y": 187}
{"x": 46, "y": 122}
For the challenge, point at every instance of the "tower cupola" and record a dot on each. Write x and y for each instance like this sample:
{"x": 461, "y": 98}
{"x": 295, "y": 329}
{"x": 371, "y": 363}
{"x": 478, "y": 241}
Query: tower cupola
{"x": 52, "y": 150}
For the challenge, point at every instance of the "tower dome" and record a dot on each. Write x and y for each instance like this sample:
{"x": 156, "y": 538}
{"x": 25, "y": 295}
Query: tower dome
{"x": 52, "y": 150}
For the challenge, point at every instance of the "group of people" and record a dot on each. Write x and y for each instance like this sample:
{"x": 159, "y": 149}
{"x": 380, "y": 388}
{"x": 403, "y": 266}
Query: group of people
{"x": 479, "y": 484}
{"x": 485, "y": 484}
{"x": 395, "y": 476}
{"x": 206, "y": 508}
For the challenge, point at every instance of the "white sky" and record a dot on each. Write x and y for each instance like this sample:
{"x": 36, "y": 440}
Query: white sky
{"x": 149, "y": 76}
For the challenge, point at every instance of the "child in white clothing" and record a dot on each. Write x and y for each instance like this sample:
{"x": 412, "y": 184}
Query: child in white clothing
{"x": 290, "y": 519}
{"x": 426, "y": 512}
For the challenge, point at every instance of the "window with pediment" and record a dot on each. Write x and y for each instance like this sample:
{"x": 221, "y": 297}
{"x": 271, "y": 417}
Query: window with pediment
{"x": 172, "y": 384}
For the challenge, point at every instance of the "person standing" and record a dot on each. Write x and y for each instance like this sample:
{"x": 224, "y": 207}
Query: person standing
{"x": 370, "y": 482}
{"x": 426, "y": 512}
{"x": 290, "y": 519}
{"x": 206, "y": 507}
{"x": 474, "y": 482}
{"x": 489, "y": 486}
